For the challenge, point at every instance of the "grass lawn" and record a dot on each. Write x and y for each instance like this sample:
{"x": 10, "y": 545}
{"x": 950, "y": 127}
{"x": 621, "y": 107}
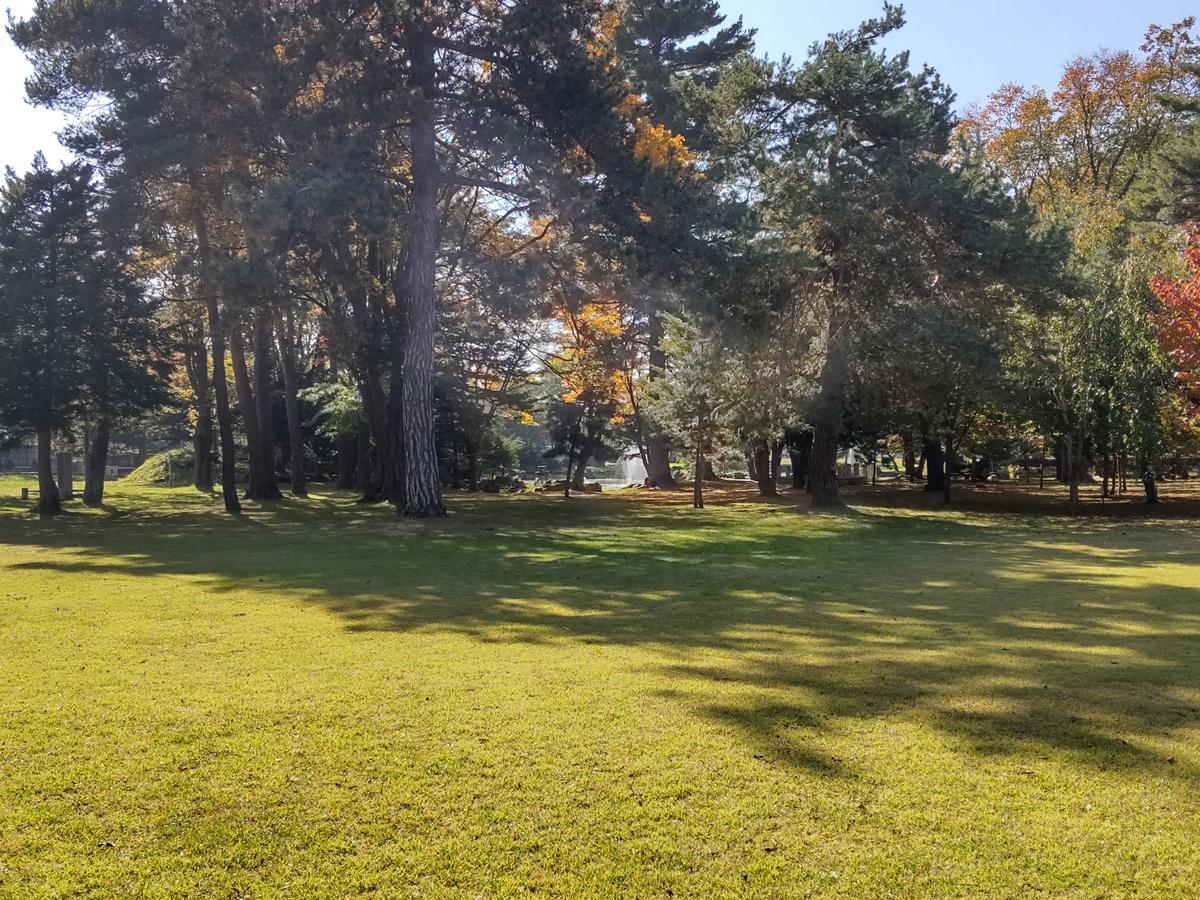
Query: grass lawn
{"x": 605, "y": 697}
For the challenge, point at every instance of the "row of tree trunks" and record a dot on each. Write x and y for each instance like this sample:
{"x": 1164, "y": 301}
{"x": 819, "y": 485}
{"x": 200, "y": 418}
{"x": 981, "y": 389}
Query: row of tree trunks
{"x": 216, "y": 330}
{"x": 289, "y": 363}
{"x": 262, "y": 484}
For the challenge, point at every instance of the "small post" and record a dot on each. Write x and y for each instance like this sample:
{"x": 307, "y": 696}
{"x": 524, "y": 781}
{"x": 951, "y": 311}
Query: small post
{"x": 24, "y": 494}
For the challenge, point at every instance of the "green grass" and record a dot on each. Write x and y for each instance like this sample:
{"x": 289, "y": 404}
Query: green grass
{"x": 605, "y": 697}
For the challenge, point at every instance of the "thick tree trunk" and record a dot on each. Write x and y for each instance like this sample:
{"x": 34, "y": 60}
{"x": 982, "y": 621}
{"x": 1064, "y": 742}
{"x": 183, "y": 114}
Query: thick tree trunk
{"x": 800, "y": 450}
{"x": 264, "y": 408}
{"x": 1061, "y": 464}
{"x": 751, "y": 465}
{"x": 97, "y": 463}
{"x": 291, "y": 399}
{"x": 570, "y": 467}
{"x": 220, "y": 386}
{"x": 346, "y": 448}
{"x": 762, "y": 468}
{"x": 364, "y": 466}
{"x": 202, "y": 447}
{"x": 422, "y": 480}
{"x": 776, "y": 461}
{"x": 1150, "y": 485}
{"x": 49, "y": 502}
{"x": 936, "y": 461}
{"x": 658, "y": 463}
{"x": 911, "y": 471}
{"x": 586, "y": 449}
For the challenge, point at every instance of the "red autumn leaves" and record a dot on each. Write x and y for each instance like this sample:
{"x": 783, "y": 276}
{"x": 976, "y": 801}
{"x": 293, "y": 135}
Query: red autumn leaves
{"x": 1179, "y": 321}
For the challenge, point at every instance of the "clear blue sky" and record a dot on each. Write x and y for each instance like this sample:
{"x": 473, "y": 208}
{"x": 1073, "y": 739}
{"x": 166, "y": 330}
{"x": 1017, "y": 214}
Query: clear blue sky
{"x": 977, "y": 45}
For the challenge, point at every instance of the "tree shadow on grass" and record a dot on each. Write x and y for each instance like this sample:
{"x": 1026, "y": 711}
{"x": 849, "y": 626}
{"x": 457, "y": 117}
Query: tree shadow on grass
{"x": 1005, "y": 636}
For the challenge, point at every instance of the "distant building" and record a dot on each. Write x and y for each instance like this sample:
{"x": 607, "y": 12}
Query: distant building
{"x": 21, "y": 458}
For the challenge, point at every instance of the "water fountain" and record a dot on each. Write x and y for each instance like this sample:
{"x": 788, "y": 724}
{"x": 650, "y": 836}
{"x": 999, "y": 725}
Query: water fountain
{"x": 631, "y": 469}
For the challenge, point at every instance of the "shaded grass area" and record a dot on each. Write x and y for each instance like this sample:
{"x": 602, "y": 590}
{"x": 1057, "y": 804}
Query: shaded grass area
{"x": 613, "y": 695}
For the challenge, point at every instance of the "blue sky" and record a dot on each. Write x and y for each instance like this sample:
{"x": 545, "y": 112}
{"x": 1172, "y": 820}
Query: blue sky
{"x": 977, "y": 45}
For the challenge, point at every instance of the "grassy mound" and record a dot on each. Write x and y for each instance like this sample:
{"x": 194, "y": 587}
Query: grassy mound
{"x": 164, "y": 469}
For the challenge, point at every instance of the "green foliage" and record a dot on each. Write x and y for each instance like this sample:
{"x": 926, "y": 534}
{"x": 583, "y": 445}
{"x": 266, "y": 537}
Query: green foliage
{"x": 338, "y": 407}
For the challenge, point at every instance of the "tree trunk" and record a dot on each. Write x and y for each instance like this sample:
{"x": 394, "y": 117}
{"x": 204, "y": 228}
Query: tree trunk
{"x": 800, "y": 449}
{"x": 949, "y": 471}
{"x": 1150, "y": 485}
{"x": 422, "y": 480}
{"x": 347, "y": 461}
{"x": 762, "y": 466}
{"x": 363, "y": 469}
{"x": 936, "y": 463}
{"x": 259, "y": 486}
{"x": 911, "y": 471}
{"x": 579, "y": 479}
{"x": 751, "y": 465}
{"x": 701, "y": 465}
{"x": 571, "y": 442}
{"x": 49, "y": 502}
{"x": 97, "y": 463}
{"x": 264, "y": 408}
{"x": 1072, "y": 475}
{"x": 828, "y": 417}
{"x": 202, "y": 447}
{"x": 202, "y": 436}
{"x": 291, "y": 398}
{"x": 776, "y": 461}
{"x": 220, "y": 385}
{"x": 658, "y": 454}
